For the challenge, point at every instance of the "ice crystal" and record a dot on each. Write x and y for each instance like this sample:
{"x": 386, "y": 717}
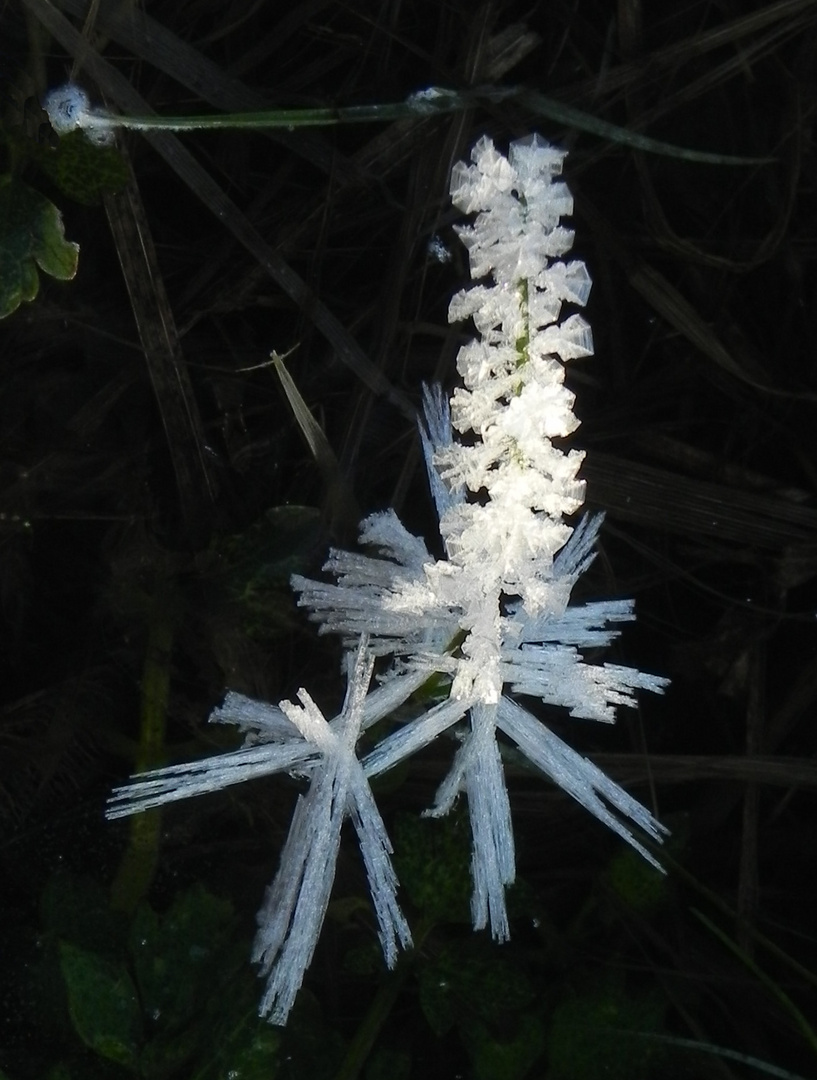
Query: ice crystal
{"x": 492, "y": 616}
{"x": 488, "y": 622}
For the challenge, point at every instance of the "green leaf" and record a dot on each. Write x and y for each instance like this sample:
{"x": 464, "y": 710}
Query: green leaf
{"x": 83, "y": 171}
{"x": 60, "y": 1072}
{"x": 312, "y": 1048}
{"x": 103, "y": 1005}
{"x": 170, "y": 1054}
{"x": 76, "y": 908}
{"x": 256, "y": 1056}
{"x": 31, "y": 235}
{"x": 388, "y": 1063}
{"x": 232, "y": 1040}
{"x": 507, "y": 1058}
{"x": 177, "y": 956}
{"x": 601, "y": 1033}
{"x": 471, "y": 981}
{"x": 637, "y": 884}
{"x": 432, "y": 857}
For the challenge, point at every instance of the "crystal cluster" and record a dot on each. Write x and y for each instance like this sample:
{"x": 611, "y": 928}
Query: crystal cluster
{"x": 490, "y": 622}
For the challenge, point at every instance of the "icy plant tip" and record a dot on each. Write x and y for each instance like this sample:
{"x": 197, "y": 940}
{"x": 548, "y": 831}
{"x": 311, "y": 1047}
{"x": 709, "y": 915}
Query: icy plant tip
{"x": 492, "y": 616}
{"x": 490, "y": 622}
{"x": 69, "y": 109}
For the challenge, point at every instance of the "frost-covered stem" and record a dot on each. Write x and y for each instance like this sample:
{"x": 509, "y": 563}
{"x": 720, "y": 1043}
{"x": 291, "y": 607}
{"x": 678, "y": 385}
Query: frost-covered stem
{"x": 493, "y": 616}
{"x": 69, "y": 109}
{"x": 514, "y": 403}
{"x": 490, "y": 622}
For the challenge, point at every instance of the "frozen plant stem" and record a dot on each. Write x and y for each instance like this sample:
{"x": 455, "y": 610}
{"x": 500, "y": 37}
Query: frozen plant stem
{"x": 490, "y": 622}
{"x": 69, "y": 109}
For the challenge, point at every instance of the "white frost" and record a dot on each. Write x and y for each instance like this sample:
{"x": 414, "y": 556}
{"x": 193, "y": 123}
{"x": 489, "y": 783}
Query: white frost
{"x": 489, "y": 620}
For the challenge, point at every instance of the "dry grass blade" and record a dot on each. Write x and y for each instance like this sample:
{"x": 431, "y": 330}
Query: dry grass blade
{"x": 410, "y": 143}
{"x": 748, "y": 899}
{"x": 685, "y": 768}
{"x": 643, "y": 494}
{"x": 343, "y": 509}
{"x": 182, "y": 422}
{"x": 196, "y": 177}
{"x": 667, "y": 301}
{"x": 788, "y": 17}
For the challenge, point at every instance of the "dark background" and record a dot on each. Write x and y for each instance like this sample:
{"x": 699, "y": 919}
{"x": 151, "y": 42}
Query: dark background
{"x": 156, "y": 493}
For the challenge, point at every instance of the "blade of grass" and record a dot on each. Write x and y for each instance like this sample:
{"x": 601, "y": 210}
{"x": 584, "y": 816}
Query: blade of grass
{"x": 668, "y": 302}
{"x": 644, "y": 494}
{"x": 343, "y": 507}
{"x": 712, "y": 897}
{"x": 717, "y": 1051}
{"x": 805, "y": 1028}
{"x": 154, "y": 43}
{"x": 434, "y": 101}
{"x": 202, "y": 184}
{"x": 181, "y": 419}
{"x": 672, "y": 57}
{"x": 686, "y": 768}
{"x": 572, "y": 117}
{"x": 400, "y": 145}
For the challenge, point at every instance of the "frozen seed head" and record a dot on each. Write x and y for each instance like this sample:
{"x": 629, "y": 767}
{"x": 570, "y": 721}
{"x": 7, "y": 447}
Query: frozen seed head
{"x": 69, "y": 108}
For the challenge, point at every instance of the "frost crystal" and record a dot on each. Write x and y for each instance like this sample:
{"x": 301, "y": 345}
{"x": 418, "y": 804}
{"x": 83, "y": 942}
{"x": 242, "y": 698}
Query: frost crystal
{"x": 299, "y": 739}
{"x": 69, "y": 108}
{"x": 488, "y": 622}
{"x": 292, "y": 915}
{"x": 493, "y": 616}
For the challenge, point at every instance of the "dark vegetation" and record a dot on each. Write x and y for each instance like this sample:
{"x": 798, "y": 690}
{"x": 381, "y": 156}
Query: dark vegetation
{"x": 156, "y": 494}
